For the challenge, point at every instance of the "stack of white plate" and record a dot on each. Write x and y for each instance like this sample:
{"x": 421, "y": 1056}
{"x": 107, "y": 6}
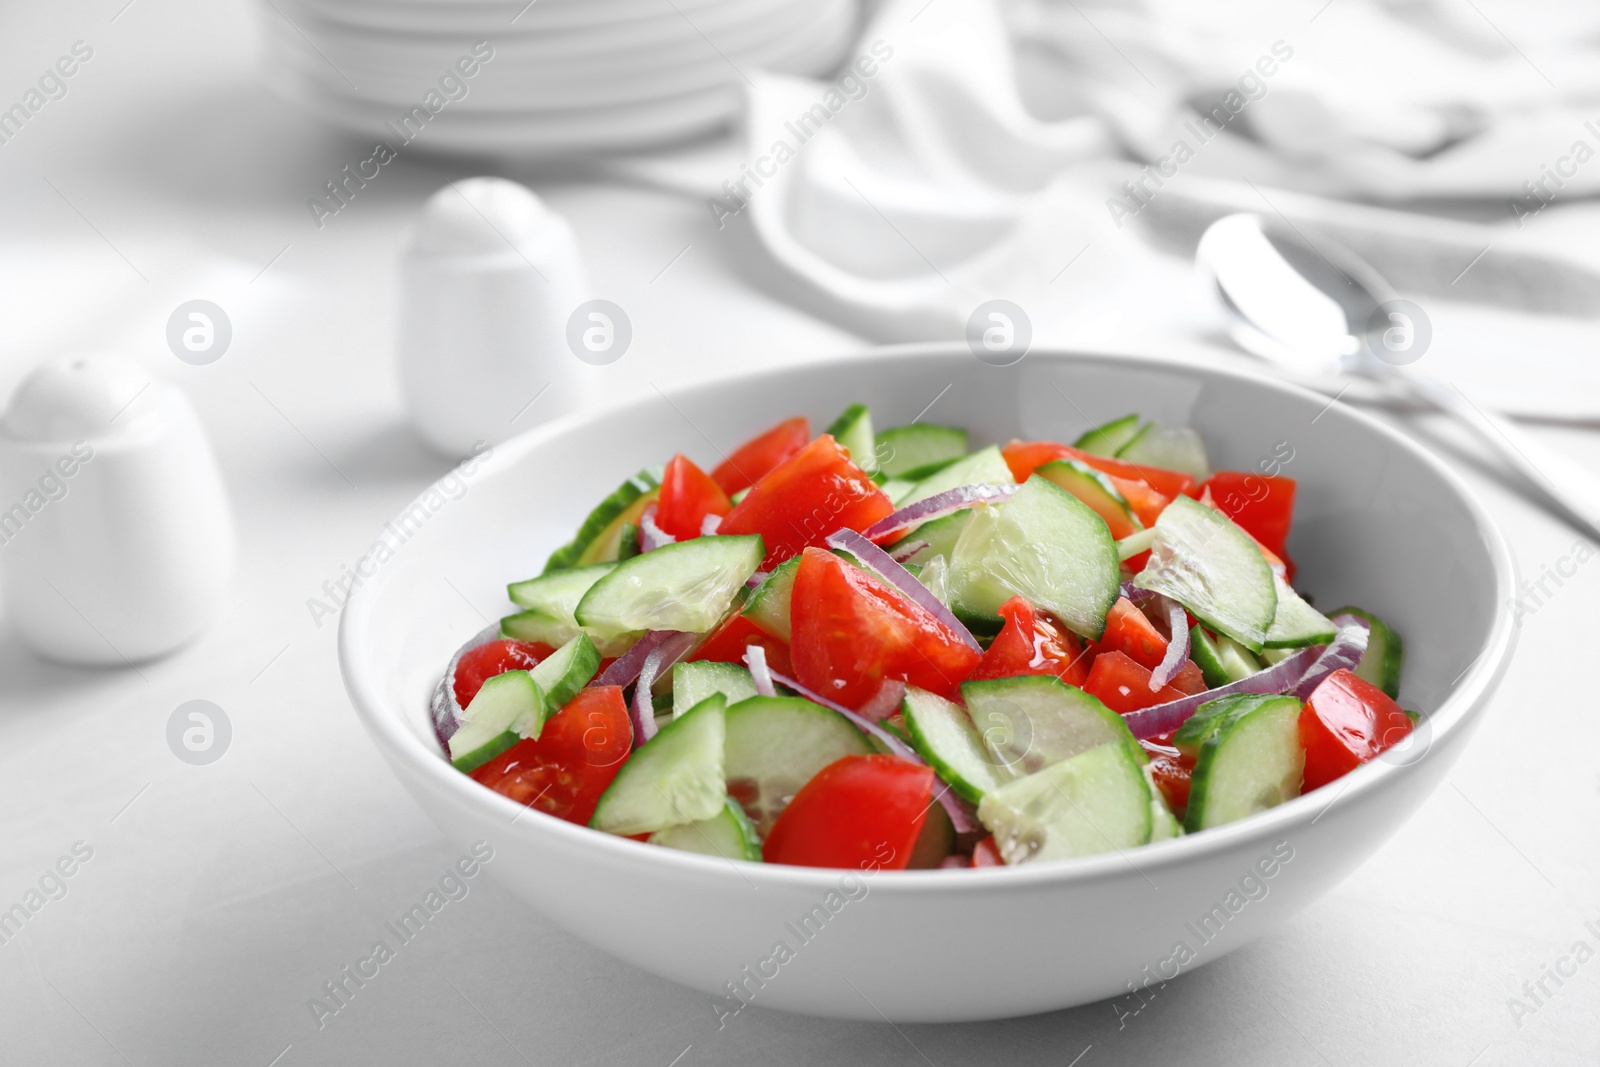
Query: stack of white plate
{"x": 548, "y": 76}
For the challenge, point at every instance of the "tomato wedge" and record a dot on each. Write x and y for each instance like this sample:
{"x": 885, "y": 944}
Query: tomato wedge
{"x": 1130, "y": 631}
{"x": 808, "y": 496}
{"x": 1263, "y": 505}
{"x": 851, "y": 632}
{"x": 987, "y": 854}
{"x": 1123, "y": 685}
{"x": 1171, "y": 770}
{"x": 1024, "y": 457}
{"x": 1346, "y": 722}
{"x": 688, "y": 495}
{"x": 1030, "y": 642}
{"x": 478, "y": 665}
{"x": 1146, "y": 503}
{"x": 728, "y": 643}
{"x": 858, "y": 812}
{"x": 564, "y": 770}
{"x": 752, "y": 460}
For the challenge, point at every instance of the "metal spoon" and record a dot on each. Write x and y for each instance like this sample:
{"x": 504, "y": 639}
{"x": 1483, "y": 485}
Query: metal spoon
{"x": 1319, "y": 308}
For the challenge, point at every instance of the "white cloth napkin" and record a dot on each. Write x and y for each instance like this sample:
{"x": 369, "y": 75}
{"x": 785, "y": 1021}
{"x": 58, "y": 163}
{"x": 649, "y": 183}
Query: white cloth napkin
{"x": 922, "y": 182}
{"x": 1388, "y": 101}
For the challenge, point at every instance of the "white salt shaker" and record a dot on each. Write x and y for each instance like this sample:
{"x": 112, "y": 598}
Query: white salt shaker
{"x": 116, "y": 540}
{"x": 490, "y": 282}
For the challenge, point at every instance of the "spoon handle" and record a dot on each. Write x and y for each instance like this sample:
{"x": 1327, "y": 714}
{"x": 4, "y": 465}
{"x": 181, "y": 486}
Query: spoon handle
{"x": 1573, "y": 487}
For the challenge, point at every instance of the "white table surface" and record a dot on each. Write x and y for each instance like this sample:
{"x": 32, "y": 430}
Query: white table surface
{"x": 220, "y": 898}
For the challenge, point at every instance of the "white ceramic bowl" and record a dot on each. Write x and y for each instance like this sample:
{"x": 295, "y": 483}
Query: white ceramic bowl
{"x": 1379, "y": 522}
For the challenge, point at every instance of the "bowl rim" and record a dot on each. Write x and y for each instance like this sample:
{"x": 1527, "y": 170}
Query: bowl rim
{"x": 1465, "y": 700}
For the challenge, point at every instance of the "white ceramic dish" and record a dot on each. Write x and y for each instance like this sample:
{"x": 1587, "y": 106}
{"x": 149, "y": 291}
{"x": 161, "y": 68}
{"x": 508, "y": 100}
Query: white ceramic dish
{"x": 1380, "y": 522}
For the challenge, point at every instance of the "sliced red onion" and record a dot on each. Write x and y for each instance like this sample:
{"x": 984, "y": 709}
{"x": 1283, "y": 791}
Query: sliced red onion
{"x": 1281, "y": 677}
{"x": 937, "y": 506}
{"x": 709, "y": 525}
{"x": 443, "y": 708}
{"x": 625, "y": 668}
{"x": 1344, "y": 651}
{"x": 755, "y": 657}
{"x": 905, "y": 551}
{"x": 651, "y": 536}
{"x": 1177, "y": 645}
{"x": 672, "y": 648}
{"x": 962, "y": 819}
{"x": 903, "y": 580}
{"x": 1133, "y": 594}
{"x": 950, "y": 863}
{"x": 755, "y": 580}
{"x": 886, "y": 703}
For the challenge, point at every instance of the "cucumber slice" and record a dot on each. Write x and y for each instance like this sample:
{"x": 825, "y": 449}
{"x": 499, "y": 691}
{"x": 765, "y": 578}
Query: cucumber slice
{"x": 488, "y": 723}
{"x": 853, "y": 430}
{"x": 941, "y": 534}
{"x": 1095, "y": 490}
{"x": 896, "y": 489}
{"x": 727, "y": 834}
{"x": 693, "y": 682}
{"x": 628, "y": 543}
{"x": 903, "y": 448}
{"x": 1221, "y": 659}
{"x": 1380, "y": 663}
{"x": 985, "y": 466}
{"x": 674, "y": 779}
{"x": 1270, "y": 656}
{"x": 775, "y": 745}
{"x": 685, "y": 586}
{"x": 1028, "y": 723}
{"x": 1297, "y": 624}
{"x": 1046, "y": 545}
{"x": 1105, "y": 440}
{"x": 1173, "y": 448}
{"x": 557, "y": 593}
{"x": 1097, "y": 801}
{"x": 600, "y": 535}
{"x": 559, "y": 676}
{"x": 927, "y": 470}
{"x": 1249, "y": 758}
{"x": 551, "y": 600}
{"x": 768, "y": 606}
{"x": 1213, "y": 568}
{"x": 942, "y": 732}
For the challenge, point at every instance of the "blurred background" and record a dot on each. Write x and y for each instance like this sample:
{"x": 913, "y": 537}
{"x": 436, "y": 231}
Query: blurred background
{"x": 254, "y": 210}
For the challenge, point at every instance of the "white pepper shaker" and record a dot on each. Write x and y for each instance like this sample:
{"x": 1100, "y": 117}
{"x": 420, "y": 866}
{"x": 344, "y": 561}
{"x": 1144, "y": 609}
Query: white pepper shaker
{"x": 490, "y": 281}
{"x": 116, "y": 540}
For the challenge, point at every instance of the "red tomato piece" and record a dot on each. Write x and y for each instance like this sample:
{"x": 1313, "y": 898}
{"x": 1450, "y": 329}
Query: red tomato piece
{"x": 1123, "y": 685}
{"x": 987, "y": 854}
{"x": 752, "y": 460}
{"x": 858, "y": 812}
{"x": 688, "y": 495}
{"x": 1130, "y": 631}
{"x": 1030, "y": 642}
{"x": 811, "y": 494}
{"x": 851, "y": 632}
{"x": 1024, "y": 457}
{"x": 1346, "y": 722}
{"x": 1262, "y": 504}
{"x": 1171, "y": 770}
{"x": 1146, "y": 503}
{"x": 728, "y": 643}
{"x": 496, "y": 657}
{"x": 564, "y": 770}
